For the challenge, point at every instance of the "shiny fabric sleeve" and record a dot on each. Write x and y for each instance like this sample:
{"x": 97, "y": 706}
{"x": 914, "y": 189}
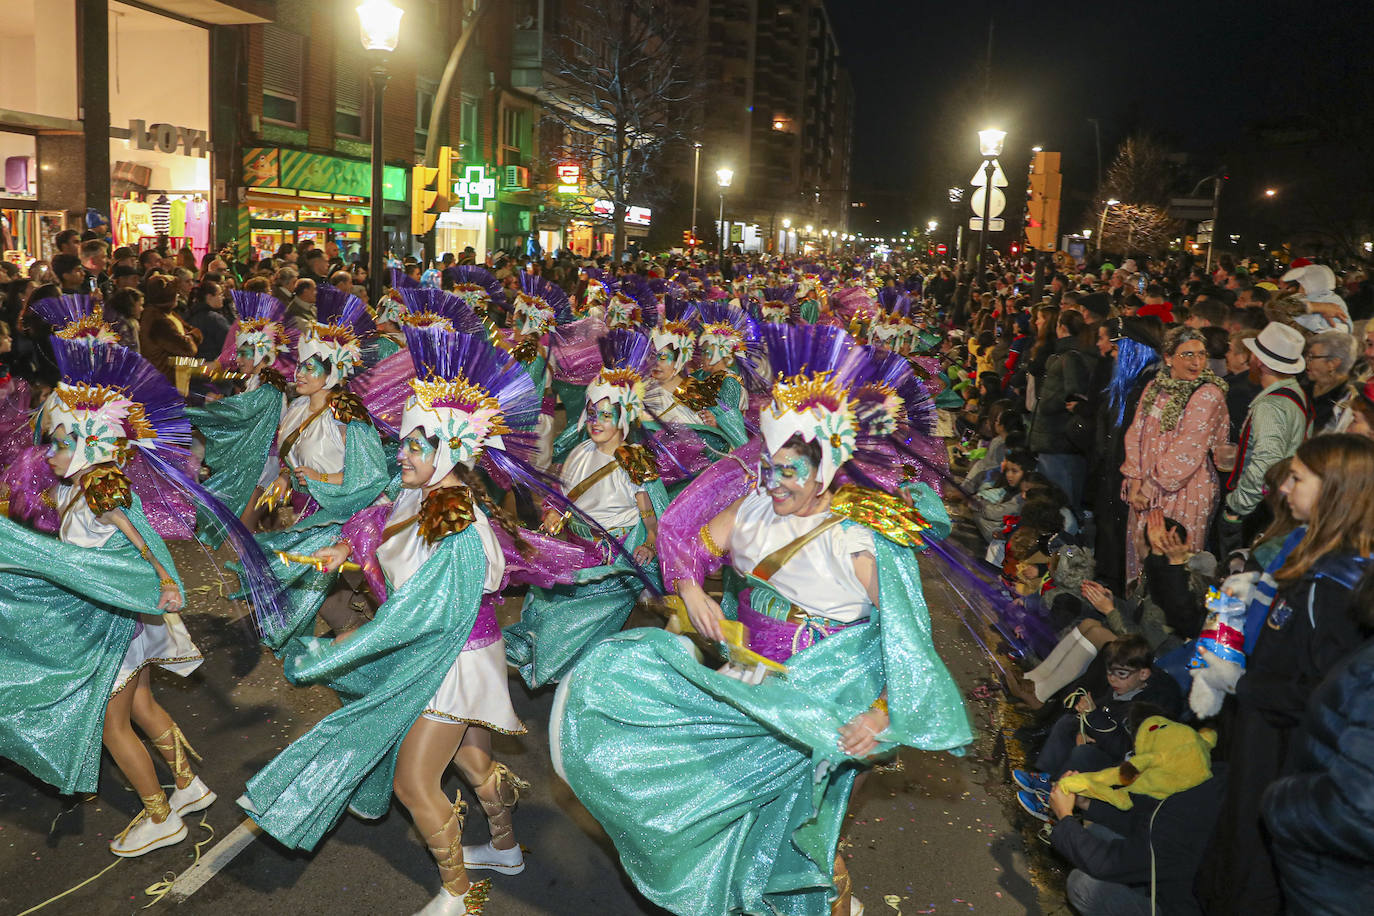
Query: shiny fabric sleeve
{"x": 681, "y": 552}
{"x": 364, "y": 476}
{"x": 239, "y": 432}
{"x": 923, "y": 701}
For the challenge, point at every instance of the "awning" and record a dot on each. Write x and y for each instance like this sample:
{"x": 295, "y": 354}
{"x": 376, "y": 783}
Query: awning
{"x": 216, "y": 12}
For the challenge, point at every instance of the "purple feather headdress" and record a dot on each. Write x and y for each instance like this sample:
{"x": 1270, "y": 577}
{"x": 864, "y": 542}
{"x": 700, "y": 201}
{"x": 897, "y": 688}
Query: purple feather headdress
{"x": 713, "y": 320}
{"x": 163, "y": 413}
{"x": 632, "y": 303}
{"x": 60, "y": 311}
{"x": 473, "y": 283}
{"x": 400, "y": 280}
{"x": 431, "y": 306}
{"x": 257, "y": 306}
{"x": 333, "y": 306}
{"x": 895, "y": 301}
{"x": 540, "y": 305}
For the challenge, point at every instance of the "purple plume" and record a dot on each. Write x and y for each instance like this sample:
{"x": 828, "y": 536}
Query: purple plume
{"x": 447, "y": 305}
{"x": 334, "y": 306}
{"x": 259, "y": 306}
{"x": 60, "y": 311}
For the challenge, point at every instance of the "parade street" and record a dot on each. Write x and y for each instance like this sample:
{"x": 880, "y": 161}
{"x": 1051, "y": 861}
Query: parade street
{"x": 936, "y": 837}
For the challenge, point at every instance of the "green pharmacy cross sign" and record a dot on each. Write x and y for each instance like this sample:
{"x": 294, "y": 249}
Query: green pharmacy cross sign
{"x": 475, "y": 188}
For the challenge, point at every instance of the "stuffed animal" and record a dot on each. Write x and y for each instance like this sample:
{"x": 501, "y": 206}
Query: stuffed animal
{"x": 1169, "y": 758}
{"x": 1219, "y": 654}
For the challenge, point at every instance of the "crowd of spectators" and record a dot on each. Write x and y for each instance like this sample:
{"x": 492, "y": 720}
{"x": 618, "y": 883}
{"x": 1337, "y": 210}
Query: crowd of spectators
{"x": 1173, "y": 471}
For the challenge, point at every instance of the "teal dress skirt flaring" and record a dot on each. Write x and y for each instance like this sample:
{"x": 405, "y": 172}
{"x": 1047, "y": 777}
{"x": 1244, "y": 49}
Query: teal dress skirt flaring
{"x": 238, "y": 431}
{"x": 384, "y": 676}
{"x": 728, "y": 798}
{"x": 557, "y": 625}
{"x": 303, "y": 587}
{"x": 67, "y": 617}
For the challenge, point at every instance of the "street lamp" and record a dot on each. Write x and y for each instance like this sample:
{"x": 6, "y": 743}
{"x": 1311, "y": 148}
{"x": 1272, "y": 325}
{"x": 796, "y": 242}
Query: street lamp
{"x": 723, "y": 178}
{"x": 380, "y": 24}
{"x": 696, "y": 182}
{"x": 1102, "y": 220}
{"x": 990, "y": 145}
{"x": 1270, "y": 192}
{"x": 786, "y": 227}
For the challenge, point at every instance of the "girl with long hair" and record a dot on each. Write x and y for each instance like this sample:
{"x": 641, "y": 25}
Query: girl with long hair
{"x": 1290, "y": 646}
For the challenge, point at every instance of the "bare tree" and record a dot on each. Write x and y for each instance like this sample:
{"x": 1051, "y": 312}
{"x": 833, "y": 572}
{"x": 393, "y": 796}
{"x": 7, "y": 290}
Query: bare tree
{"x": 623, "y": 89}
{"x": 1140, "y": 178}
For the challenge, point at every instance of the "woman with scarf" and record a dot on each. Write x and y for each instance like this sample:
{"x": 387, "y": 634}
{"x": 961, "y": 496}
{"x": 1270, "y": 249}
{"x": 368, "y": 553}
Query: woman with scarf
{"x": 724, "y": 790}
{"x": 423, "y": 684}
{"x": 1181, "y": 421}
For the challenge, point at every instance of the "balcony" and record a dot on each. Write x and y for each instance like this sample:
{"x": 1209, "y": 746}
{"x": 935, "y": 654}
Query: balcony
{"x": 526, "y": 64}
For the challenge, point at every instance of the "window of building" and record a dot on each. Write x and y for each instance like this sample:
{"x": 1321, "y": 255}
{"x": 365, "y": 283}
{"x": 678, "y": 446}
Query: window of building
{"x": 512, "y": 136}
{"x": 348, "y": 98}
{"x": 424, "y": 107}
{"x": 282, "y": 54}
{"x": 469, "y": 144}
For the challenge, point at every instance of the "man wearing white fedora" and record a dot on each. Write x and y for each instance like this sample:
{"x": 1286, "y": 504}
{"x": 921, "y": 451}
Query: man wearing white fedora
{"x": 1279, "y": 419}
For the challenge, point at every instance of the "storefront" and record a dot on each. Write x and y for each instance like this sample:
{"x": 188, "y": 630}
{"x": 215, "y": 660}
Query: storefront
{"x": 159, "y": 131}
{"x": 459, "y": 229}
{"x": 292, "y": 195}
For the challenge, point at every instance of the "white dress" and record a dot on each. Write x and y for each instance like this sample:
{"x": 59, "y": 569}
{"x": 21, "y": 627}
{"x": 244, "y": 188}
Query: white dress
{"x": 820, "y": 577}
{"x": 320, "y": 445}
{"x": 611, "y": 500}
{"x": 160, "y": 640}
{"x": 475, "y": 690}
{"x": 667, "y": 408}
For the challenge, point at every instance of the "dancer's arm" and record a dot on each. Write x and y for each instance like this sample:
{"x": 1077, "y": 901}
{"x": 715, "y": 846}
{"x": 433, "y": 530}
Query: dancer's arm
{"x": 703, "y": 610}
{"x": 646, "y": 552}
{"x": 170, "y": 598}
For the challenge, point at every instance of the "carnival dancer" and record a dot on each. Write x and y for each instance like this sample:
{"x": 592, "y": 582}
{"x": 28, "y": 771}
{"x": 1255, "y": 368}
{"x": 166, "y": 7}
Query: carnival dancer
{"x": 615, "y": 482}
{"x": 240, "y": 429}
{"x": 540, "y": 306}
{"x": 726, "y": 795}
{"x": 424, "y": 683}
{"x": 88, "y": 614}
{"x": 724, "y": 337}
{"x": 474, "y": 285}
{"x": 329, "y": 462}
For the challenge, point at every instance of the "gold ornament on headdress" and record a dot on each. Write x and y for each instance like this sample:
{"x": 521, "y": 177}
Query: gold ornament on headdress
{"x": 461, "y": 394}
{"x": 84, "y": 396}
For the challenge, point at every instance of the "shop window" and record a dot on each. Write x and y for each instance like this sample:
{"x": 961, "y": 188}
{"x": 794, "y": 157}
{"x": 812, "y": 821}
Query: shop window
{"x": 348, "y": 98}
{"x": 424, "y": 107}
{"x": 468, "y": 134}
{"x": 282, "y": 54}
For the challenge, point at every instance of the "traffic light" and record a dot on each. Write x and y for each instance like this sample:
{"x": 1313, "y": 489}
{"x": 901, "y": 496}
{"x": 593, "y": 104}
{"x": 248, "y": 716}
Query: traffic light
{"x": 430, "y": 192}
{"x": 1042, "y": 202}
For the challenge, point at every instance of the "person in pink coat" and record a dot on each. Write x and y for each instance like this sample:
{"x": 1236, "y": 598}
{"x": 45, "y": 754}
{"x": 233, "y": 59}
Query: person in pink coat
{"x": 1180, "y": 424}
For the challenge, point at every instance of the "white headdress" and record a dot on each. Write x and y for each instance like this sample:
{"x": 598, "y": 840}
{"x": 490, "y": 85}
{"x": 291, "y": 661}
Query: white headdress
{"x": 817, "y": 409}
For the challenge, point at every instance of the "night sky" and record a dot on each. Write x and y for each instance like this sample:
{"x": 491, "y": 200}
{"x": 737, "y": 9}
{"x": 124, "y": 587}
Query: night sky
{"x": 1195, "y": 74}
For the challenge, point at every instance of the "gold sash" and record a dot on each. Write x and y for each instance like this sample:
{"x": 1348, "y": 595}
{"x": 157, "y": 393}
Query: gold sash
{"x": 284, "y": 450}
{"x": 769, "y": 565}
{"x": 592, "y": 480}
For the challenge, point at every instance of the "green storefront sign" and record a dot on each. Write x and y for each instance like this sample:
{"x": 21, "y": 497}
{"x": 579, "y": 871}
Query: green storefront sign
{"x": 301, "y": 171}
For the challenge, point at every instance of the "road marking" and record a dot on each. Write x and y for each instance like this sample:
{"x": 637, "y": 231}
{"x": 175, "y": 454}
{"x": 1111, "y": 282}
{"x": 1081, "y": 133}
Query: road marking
{"x": 220, "y": 855}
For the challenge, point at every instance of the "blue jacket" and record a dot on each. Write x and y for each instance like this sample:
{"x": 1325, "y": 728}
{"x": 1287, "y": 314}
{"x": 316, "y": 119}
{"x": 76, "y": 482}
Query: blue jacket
{"x": 1325, "y": 810}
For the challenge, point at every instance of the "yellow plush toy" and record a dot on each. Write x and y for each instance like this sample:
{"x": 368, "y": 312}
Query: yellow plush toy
{"x": 1168, "y": 758}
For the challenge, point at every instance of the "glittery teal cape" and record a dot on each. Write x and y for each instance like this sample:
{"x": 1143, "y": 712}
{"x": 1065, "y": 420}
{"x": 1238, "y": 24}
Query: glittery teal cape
{"x": 810, "y": 311}
{"x": 729, "y": 421}
{"x": 384, "y": 675}
{"x": 557, "y": 625}
{"x": 67, "y": 616}
{"x": 304, "y": 589}
{"x": 238, "y": 433}
{"x": 723, "y": 797}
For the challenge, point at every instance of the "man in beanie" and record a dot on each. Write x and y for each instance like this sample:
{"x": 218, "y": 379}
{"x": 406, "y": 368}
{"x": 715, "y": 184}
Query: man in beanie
{"x": 1278, "y": 421}
{"x": 162, "y": 334}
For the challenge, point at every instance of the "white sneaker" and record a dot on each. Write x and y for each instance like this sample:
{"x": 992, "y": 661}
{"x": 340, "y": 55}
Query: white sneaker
{"x": 505, "y": 861}
{"x": 143, "y": 835}
{"x": 197, "y": 796}
{"x": 472, "y": 902}
{"x": 856, "y": 906}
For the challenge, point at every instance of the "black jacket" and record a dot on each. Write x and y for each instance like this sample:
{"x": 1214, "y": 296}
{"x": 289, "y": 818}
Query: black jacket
{"x": 1326, "y": 809}
{"x": 1173, "y": 833}
{"x": 1068, "y": 371}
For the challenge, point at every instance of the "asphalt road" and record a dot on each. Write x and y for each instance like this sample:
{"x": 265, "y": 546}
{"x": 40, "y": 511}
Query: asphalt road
{"x": 938, "y": 837}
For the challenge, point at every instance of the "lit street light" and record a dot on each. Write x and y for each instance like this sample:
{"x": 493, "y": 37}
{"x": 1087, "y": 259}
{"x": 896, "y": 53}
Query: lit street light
{"x": 990, "y": 145}
{"x": 380, "y": 25}
{"x": 1270, "y": 192}
{"x": 696, "y": 183}
{"x": 723, "y": 178}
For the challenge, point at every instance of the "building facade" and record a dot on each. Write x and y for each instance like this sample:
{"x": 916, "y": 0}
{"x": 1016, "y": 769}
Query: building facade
{"x": 780, "y": 115}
